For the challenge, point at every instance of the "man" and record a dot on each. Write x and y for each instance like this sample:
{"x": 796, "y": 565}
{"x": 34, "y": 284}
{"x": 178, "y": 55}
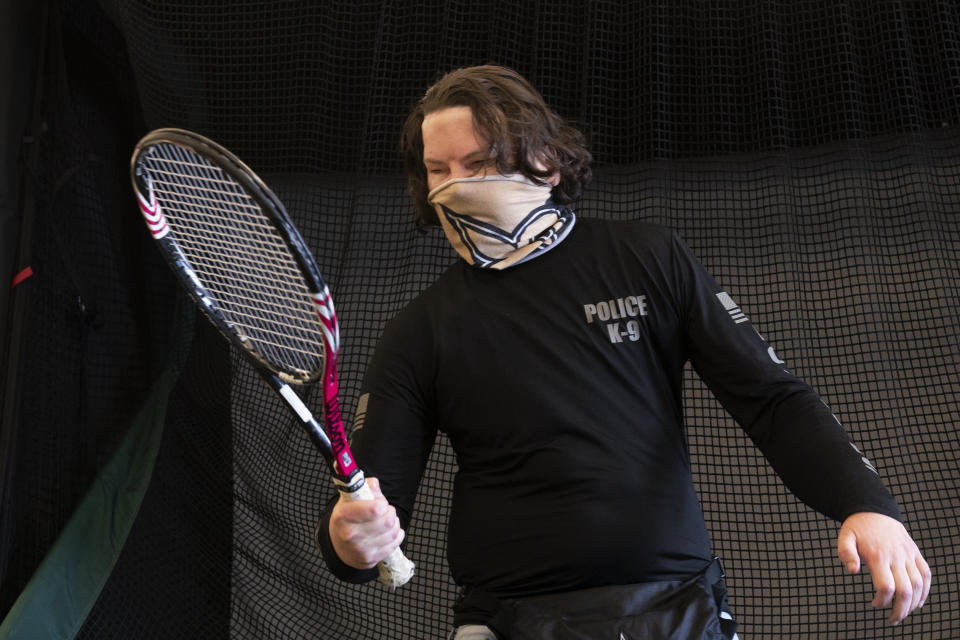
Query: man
{"x": 552, "y": 356}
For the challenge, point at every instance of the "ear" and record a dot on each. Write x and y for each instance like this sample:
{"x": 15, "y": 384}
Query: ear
{"x": 554, "y": 178}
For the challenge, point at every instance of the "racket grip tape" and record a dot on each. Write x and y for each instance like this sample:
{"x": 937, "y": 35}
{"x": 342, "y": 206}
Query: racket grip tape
{"x": 396, "y": 569}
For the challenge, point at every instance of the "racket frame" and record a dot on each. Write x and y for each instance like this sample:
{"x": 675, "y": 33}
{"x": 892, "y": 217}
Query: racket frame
{"x": 331, "y": 440}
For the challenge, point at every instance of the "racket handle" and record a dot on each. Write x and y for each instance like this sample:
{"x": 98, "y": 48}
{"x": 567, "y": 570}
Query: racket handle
{"x": 396, "y": 569}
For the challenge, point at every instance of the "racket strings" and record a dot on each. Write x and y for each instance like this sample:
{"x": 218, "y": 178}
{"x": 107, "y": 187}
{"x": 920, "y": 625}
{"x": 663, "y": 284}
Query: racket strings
{"x": 241, "y": 261}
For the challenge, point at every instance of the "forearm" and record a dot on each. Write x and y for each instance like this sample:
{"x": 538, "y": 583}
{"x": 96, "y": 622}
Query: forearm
{"x": 818, "y": 461}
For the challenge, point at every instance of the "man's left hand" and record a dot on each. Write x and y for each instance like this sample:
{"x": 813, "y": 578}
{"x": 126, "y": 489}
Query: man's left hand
{"x": 900, "y": 574}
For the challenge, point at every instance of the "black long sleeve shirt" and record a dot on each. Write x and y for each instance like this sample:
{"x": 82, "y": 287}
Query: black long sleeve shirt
{"x": 558, "y": 382}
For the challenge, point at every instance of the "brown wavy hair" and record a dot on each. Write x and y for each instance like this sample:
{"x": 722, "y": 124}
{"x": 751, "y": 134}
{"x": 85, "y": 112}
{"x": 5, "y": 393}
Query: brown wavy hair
{"x": 524, "y": 134}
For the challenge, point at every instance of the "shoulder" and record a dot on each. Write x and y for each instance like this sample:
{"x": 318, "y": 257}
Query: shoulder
{"x": 420, "y": 315}
{"x": 639, "y": 232}
{"x": 430, "y": 300}
{"x": 636, "y": 238}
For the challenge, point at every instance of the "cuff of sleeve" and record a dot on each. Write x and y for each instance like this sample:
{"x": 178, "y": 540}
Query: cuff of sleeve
{"x": 885, "y": 508}
{"x": 337, "y": 567}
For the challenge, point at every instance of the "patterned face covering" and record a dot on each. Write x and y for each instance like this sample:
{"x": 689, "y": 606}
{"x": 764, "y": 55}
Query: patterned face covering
{"x": 497, "y": 221}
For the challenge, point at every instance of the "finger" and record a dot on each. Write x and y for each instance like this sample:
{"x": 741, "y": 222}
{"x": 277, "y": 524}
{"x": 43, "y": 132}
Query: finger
{"x": 363, "y": 511}
{"x": 369, "y": 543}
{"x": 885, "y": 585}
{"x": 927, "y": 576}
{"x": 847, "y": 551}
{"x": 917, "y": 580}
{"x": 381, "y": 515}
{"x": 387, "y": 535}
{"x": 903, "y": 596}
{"x": 916, "y": 584}
{"x": 383, "y": 544}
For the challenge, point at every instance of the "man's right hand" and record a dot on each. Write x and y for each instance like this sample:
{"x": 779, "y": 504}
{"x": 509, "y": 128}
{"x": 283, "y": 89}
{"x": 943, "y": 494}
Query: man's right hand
{"x": 364, "y": 532}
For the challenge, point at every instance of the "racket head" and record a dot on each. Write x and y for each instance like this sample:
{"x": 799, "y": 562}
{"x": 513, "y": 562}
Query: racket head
{"x": 232, "y": 245}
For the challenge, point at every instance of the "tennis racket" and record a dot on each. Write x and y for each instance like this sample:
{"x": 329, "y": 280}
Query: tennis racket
{"x": 233, "y": 247}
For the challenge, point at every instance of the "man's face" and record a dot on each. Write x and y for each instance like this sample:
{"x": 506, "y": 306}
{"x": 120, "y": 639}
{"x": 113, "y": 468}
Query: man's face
{"x": 452, "y": 148}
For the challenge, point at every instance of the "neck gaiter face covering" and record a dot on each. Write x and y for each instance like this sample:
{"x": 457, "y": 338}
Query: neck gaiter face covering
{"x": 497, "y": 221}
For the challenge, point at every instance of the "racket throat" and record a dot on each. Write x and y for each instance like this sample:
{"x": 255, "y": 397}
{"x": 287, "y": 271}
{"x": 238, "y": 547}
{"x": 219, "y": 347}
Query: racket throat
{"x": 345, "y": 465}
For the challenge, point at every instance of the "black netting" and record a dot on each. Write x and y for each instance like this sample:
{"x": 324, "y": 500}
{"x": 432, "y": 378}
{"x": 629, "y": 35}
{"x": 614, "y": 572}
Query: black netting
{"x": 808, "y": 151}
{"x": 92, "y": 341}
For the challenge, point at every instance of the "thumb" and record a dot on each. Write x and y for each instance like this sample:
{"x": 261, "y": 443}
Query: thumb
{"x": 847, "y": 550}
{"x": 374, "y": 485}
